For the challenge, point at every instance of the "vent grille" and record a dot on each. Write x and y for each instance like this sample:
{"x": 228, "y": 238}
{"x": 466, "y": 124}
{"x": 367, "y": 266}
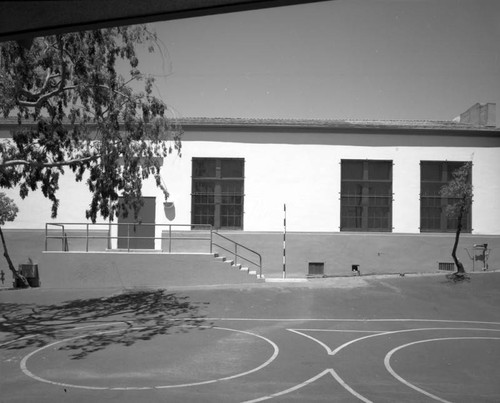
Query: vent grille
{"x": 316, "y": 269}
{"x": 446, "y": 266}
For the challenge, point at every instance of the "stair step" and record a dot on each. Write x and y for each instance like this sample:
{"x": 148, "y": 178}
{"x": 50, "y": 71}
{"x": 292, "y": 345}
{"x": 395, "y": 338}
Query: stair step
{"x": 238, "y": 266}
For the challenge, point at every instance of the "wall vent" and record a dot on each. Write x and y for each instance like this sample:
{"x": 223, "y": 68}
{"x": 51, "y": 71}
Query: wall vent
{"x": 446, "y": 266}
{"x": 316, "y": 269}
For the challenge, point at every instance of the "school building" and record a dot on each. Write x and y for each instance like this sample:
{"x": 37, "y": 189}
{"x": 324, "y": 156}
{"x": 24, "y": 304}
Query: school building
{"x": 353, "y": 192}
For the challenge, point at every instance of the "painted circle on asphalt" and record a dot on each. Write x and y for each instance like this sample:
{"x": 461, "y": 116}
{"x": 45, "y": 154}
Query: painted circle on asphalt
{"x": 389, "y": 355}
{"x": 181, "y": 360}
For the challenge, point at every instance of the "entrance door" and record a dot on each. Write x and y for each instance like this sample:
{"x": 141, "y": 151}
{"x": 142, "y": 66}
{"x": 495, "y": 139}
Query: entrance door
{"x": 138, "y": 233}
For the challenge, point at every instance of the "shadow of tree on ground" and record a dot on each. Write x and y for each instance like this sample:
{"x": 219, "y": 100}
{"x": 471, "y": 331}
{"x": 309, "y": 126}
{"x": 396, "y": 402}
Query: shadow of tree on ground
{"x": 120, "y": 319}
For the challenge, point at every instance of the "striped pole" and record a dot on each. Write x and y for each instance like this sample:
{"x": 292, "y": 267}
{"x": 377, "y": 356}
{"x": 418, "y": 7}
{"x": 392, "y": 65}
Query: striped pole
{"x": 284, "y": 242}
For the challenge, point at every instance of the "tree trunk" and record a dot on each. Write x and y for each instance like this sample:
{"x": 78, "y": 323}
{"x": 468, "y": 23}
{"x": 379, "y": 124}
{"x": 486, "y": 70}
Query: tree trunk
{"x": 15, "y": 273}
{"x": 460, "y": 266}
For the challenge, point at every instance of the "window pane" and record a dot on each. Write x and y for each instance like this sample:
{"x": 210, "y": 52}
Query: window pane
{"x": 351, "y": 217}
{"x": 232, "y": 168}
{"x": 230, "y": 216}
{"x": 379, "y": 189}
{"x": 379, "y": 170}
{"x": 203, "y": 214}
{"x": 352, "y": 169}
{"x": 349, "y": 189}
{"x": 430, "y": 217}
{"x": 431, "y": 171}
{"x": 232, "y": 187}
{"x": 204, "y": 168}
{"x": 378, "y": 217}
{"x": 430, "y": 189}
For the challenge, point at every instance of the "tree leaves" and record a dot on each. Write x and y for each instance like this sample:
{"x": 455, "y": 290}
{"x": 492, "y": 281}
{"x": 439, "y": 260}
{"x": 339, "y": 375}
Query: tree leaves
{"x": 8, "y": 209}
{"x": 458, "y": 191}
{"x": 86, "y": 117}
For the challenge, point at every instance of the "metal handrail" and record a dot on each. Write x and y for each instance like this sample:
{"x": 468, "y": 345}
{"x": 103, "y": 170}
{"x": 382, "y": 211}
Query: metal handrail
{"x": 235, "y": 253}
{"x": 85, "y": 227}
{"x": 62, "y": 235}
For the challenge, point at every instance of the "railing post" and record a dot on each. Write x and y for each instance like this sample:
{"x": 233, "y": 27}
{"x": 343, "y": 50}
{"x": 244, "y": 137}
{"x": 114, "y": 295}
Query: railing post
{"x": 211, "y": 240}
{"x": 87, "y": 239}
{"x": 128, "y": 237}
{"x": 235, "y": 253}
{"x": 46, "y": 234}
{"x": 170, "y": 238}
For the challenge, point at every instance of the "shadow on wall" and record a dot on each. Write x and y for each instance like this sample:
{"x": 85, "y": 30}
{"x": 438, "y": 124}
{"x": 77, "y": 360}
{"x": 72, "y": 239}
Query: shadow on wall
{"x": 126, "y": 319}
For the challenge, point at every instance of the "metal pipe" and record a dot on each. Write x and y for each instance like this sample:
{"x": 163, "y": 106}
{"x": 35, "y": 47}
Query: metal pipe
{"x": 170, "y": 238}
{"x": 128, "y": 237}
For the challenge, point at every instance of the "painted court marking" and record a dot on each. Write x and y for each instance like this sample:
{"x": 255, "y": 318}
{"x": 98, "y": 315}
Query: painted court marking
{"x": 27, "y": 372}
{"x": 302, "y": 332}
{"x": 387, "y": 358}
{"x": 387, "y": 362}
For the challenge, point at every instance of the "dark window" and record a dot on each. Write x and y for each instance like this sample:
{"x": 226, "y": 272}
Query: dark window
{"x": 433, "y": 175}
{"x": 217, "y": 192}
{"x": 366, "y": 195}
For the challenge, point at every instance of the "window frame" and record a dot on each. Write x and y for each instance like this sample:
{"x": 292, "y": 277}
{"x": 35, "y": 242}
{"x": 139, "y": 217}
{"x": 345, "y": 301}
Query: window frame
{"x": 366, "y": 200}
{"x": 218, "y": 181}
{"x": 446, "y": 172}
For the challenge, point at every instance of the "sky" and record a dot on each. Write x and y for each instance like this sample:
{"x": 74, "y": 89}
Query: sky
{"x": 339, "y": 59}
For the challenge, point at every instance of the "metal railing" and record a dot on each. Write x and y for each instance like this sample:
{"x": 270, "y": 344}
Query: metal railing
{"x": 205, "y": 233}
{"x": 236, "y": 249}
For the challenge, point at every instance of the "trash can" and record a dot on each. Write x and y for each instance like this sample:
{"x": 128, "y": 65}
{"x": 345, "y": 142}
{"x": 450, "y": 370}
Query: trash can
{"x": 30, "y": 272}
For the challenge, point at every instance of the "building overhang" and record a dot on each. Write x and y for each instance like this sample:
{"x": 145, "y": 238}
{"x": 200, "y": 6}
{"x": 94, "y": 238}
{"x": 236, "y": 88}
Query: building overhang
{"x": 24, "y": 20}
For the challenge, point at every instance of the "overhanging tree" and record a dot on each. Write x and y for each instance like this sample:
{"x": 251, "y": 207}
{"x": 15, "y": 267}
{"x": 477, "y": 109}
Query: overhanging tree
{"x": 459, "y": 193}
{"x": 77, "y": 111}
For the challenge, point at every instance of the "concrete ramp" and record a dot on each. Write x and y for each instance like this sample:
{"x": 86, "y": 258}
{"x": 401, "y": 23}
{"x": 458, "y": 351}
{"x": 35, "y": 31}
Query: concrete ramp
{"x": 135, "y": 269}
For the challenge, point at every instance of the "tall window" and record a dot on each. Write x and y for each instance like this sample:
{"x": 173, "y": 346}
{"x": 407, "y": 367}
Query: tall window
{"x": 433, "y": 175}
{"x": 366, "y": 195}
{"x": 217, "y": 192}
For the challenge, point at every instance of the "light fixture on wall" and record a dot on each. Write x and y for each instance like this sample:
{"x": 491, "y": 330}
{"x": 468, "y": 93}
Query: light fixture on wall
{"x": 168, "y": 206}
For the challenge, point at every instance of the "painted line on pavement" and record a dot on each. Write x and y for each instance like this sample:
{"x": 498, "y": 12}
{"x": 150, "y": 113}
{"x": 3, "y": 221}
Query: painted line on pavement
{"x": 387, "y": 362}
{"x": 26, "y": 371}
{"x": 292, "y": 389}
{"x": 408, "y": 331}
{"x": 328, "y": 349}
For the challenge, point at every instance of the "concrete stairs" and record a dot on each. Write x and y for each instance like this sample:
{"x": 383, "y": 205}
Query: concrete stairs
{"x": 239, "y": 267}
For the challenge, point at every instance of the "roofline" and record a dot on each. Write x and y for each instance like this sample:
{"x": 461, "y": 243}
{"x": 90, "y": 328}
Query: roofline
{"x": 316, "y": 125}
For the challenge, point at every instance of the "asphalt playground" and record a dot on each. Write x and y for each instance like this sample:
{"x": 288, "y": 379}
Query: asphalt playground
{"x": 417, "y": 338}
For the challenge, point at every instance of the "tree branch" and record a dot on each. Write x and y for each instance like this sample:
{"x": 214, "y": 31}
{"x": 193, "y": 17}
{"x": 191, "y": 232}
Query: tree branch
{"x": 49, "y": 164}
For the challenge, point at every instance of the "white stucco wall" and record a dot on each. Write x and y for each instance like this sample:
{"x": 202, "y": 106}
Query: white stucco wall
{"x": 304, "y": 176}
{"x": 307, "y": 179}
